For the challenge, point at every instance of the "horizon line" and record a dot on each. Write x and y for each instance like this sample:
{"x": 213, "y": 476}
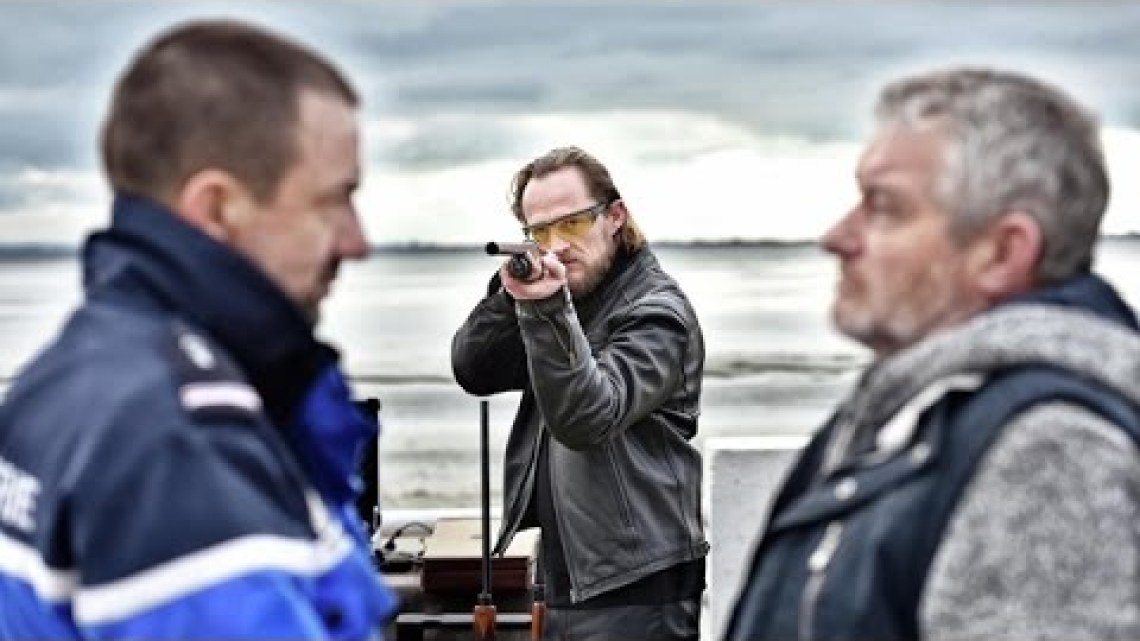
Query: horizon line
{"x": 50, "y": 250}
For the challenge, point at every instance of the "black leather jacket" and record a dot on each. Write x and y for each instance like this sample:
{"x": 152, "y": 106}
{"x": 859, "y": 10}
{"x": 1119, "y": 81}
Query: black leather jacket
{"x": 616, "y": 379}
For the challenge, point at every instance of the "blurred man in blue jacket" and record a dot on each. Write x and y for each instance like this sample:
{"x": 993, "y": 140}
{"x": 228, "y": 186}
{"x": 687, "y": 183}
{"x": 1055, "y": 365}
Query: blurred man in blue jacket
{"x": 180, "y": 461}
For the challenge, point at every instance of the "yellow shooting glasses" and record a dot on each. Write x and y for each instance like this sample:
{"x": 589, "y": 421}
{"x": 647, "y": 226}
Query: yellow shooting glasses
{"x": 572, "y": 226}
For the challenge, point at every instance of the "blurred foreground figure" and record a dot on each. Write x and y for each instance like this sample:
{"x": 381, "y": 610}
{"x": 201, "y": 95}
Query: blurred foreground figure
{"x": 179, "y": 463}
{"x": 982, "y": 479}
{"x": 609, "y": 356}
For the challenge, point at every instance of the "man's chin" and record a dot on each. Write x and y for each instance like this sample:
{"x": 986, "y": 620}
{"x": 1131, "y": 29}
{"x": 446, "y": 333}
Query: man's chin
{"x": 312, "y": 307}
{"x": 579, "y": 287}
{"x": 311, "y": 310}
{"x": 851, "y": 324}
{"x": 583, "y": 282}
{"x": 312, "y": 316}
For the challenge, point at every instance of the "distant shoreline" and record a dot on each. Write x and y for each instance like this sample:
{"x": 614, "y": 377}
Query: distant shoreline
{"x": 727, "y": 370}
{"x": 53, "y": 251}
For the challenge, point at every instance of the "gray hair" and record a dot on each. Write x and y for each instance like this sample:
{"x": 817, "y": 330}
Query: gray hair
{"x": 1015, "y": 144}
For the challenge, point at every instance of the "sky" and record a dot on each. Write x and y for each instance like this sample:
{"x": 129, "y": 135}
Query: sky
{"x": 740, "y": 120}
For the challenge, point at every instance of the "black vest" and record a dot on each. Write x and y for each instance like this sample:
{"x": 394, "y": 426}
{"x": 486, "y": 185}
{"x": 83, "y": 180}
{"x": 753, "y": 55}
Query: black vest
{"x": 847, "y": 556}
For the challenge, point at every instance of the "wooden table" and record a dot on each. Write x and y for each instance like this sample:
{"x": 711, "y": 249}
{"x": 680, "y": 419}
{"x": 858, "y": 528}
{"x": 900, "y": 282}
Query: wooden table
{"x": 439, "y": 595}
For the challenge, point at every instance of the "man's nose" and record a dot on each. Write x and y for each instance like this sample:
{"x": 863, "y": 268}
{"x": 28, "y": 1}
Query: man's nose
{"x": 843, "y": 238}
{"x": 351, "y": 242}
{"x": 558, "y": 244}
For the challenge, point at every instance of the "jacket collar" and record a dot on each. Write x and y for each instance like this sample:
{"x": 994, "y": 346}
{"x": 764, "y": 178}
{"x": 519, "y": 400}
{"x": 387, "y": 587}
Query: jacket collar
{"x": 150, "y": 258}
{"x": 1081, "y": 325}
{"x": 626, "y": 265}
{"x": 1085, "y": 291}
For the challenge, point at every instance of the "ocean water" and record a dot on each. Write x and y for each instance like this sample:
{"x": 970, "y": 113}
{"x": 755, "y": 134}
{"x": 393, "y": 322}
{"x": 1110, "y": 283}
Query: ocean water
{"x": 773, "y": 363}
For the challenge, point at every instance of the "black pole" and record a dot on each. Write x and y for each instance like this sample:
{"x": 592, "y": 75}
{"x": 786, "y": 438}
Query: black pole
{"x": 485, "y": 470}
{"x": 483, "y": 617}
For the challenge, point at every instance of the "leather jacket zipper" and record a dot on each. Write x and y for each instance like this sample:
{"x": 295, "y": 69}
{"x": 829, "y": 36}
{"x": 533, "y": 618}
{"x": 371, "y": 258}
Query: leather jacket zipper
{"x": 818, "y": 563}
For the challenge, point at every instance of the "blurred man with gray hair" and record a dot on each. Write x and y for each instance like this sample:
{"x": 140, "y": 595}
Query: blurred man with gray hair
{"x": 981, "y": 481}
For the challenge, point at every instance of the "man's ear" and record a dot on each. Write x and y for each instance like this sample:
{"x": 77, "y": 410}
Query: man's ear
{"x": 616, "y": 215}
{"x": 1005, "y": 256}
{"x": 210, "y": 200}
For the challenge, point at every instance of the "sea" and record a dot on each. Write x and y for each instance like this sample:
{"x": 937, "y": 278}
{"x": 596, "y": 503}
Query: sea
{"x": 774, "y": 365}
{"x": 732, "y": 129}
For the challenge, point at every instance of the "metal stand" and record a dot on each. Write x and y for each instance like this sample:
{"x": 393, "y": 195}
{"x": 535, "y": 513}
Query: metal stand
{"x": 483, "y": 619}
{"x": 485, "y": 622}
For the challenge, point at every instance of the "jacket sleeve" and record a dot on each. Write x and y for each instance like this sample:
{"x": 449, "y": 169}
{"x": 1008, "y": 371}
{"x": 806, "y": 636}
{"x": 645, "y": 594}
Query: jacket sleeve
{"x": 487, "y": 354}
{"x": 587, "y": 398}
{"x": 197, "y": 531}
{"x": 1045, "y": 543}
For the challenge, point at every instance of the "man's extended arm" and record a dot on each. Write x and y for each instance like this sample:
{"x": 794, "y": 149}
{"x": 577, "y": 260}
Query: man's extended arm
{"x": 585, "y": 397}
{"x": 487, "y": 353}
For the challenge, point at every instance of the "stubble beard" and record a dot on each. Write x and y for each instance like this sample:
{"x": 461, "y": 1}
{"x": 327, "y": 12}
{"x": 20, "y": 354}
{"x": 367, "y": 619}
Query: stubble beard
{"x": 592, "y": 277}
{"x": 867, "y": 323}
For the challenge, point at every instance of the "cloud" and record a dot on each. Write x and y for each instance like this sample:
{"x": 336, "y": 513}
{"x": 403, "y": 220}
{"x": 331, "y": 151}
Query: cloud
{"x": 457, "y": 94}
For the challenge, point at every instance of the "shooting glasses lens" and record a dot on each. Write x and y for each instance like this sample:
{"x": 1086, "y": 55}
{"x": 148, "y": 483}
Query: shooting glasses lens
{"x": 572, "y": 226}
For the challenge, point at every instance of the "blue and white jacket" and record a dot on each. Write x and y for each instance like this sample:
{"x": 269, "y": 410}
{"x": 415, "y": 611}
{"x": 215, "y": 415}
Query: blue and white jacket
{"x": 180, "y": 461}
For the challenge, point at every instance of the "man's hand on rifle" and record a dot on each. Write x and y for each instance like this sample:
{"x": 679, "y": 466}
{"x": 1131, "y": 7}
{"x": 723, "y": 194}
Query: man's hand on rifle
{"x": 547, "y": 276}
